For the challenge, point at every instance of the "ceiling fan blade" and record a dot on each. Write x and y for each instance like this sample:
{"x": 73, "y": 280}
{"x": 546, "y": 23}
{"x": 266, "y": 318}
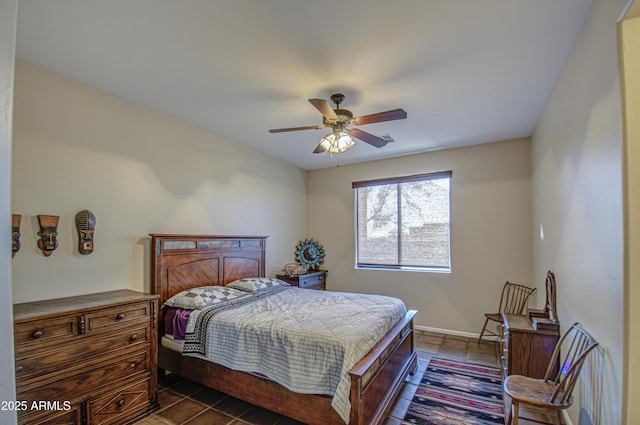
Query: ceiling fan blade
{"x": 309, "y": 127}
{"x": 394, "y": 114}
{"x": 373, "y": 140}
{"x": 325, "y": 109}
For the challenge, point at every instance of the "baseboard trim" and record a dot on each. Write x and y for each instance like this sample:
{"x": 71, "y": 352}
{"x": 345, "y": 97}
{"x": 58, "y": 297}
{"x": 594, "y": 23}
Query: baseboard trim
{"x": 567, "y": 419}
{"x": 470, "y": 335}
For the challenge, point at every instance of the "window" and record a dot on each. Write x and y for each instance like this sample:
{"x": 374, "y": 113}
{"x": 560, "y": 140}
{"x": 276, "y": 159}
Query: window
{"x": 402, "y": 223}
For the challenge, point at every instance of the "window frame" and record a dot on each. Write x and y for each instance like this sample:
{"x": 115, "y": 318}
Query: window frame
{"x": 396, "y": 181}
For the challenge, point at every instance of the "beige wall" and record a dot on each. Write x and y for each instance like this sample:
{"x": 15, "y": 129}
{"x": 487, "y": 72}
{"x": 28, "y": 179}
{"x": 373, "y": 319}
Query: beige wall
{"x": 140, "y": 172}
{"x": 630, "y": 54}
{"x": 491, "y": 241}
{"x": 577, "y": 200}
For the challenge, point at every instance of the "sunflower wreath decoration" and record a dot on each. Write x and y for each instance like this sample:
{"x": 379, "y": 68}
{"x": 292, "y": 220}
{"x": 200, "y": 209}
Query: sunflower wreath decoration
{"x": 310, "y": 253}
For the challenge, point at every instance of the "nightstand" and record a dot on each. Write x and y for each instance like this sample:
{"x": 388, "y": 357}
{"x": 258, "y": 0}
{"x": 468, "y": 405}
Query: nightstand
{"x": 313, "y": 280}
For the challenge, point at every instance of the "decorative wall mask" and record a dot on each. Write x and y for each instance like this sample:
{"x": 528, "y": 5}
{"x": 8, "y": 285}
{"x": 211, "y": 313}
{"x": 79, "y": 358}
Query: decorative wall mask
{"x": 86, "y": 225}
{"x": 15, "y": 234}
{"x": 48, "y": 233}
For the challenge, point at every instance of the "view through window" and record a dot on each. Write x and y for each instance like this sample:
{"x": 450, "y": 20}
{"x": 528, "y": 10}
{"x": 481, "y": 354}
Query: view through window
{"x": 403, "y": 222}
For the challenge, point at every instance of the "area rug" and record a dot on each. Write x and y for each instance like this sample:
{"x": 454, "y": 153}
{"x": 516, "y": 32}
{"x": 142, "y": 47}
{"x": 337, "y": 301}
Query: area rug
{"x": 455, "y": 393}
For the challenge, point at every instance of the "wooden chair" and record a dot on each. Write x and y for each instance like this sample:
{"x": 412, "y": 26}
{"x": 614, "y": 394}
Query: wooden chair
{"x": 512, "y": 301}
{"x": 553, "y": 392}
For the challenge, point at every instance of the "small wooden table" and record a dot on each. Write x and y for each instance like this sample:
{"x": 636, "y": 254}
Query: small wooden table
{"x": 526, "y": 350}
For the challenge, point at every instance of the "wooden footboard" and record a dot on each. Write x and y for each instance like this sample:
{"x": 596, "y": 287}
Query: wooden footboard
{"x": 375, "y": 381}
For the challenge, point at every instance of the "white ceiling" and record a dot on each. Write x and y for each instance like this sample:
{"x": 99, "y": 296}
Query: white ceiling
{"x": 466, "y": 71}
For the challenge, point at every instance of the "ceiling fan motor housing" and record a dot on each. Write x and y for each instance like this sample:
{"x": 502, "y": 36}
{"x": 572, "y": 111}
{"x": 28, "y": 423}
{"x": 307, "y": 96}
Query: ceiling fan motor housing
{"x": 344, "y": 117}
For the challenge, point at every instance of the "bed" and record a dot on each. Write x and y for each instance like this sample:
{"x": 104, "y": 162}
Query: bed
{"x": 181, "y": 262}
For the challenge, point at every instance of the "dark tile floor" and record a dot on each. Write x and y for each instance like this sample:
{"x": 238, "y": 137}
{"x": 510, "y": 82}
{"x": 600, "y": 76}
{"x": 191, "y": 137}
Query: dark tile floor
{"x": 183, "y": 402}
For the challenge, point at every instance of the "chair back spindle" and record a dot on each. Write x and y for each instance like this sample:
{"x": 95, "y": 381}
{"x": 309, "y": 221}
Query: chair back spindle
{"x": 572, "y": 350}
{"x": 514, "y": 298}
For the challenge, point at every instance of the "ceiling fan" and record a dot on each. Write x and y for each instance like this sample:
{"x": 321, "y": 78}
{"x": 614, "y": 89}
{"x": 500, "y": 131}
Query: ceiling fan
{"x": 339, "y": 139}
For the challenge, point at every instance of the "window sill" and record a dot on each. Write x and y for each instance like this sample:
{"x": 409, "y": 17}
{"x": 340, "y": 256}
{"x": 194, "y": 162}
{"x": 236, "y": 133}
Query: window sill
{"x": 406, "y": 269}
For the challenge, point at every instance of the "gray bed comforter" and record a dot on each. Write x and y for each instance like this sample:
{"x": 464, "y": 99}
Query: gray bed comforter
{"x": 306, "y": 340}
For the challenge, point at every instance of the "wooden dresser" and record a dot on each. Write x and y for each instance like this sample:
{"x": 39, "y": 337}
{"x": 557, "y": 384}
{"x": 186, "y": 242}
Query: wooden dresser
{"x": 313, "y": 280}
{"x": 89, "y": 359}
{"x": 526, "y": 350}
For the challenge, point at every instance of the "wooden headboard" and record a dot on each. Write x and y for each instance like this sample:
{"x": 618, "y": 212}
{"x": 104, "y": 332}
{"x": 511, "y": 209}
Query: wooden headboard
{"x": 181, "y": 262}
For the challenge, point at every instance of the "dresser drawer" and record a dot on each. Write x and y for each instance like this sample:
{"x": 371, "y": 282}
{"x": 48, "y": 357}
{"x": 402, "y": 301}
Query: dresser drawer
{"x": 73, "y": 416}
{"x": 41, "y": 334}
{"x": 80, "y": 353}
{"x": 121, "y": 404}
{"x": 103, "y": 320}
{"x": 68, "y": 389}
{"x": 312, "y": 281}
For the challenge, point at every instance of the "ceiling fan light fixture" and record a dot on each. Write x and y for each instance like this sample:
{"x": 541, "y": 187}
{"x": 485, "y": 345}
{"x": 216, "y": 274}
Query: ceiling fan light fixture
{"x": 336, "y": 142}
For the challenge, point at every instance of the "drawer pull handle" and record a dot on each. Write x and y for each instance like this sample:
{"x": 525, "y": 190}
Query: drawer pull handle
{"x": 121, "y": 402}
{"x": 19, "y": 369}
{"x": 120, "y": 316}
{"x": 132, "y": 364}
{"x": 37, "y": 333}
{"x": 133, "y": 337}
